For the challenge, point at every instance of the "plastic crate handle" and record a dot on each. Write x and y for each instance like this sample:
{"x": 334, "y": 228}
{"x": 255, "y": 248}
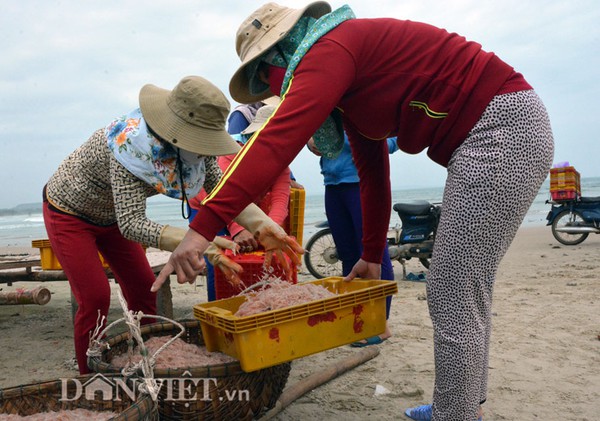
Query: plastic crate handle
{"x": 218, "y": 311}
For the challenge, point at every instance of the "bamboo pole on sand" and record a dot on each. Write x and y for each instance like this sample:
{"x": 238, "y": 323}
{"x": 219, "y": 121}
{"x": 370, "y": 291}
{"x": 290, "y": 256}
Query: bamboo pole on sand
{"x": 295, "y": 391}
{"x": 39, "y": 295}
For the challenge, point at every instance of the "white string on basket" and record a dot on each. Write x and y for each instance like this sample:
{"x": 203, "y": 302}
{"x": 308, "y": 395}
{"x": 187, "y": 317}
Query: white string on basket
{"x": 146, "y": 364}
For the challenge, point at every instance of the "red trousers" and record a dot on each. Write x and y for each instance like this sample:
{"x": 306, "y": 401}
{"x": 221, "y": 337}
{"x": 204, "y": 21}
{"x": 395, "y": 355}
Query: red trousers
{"x": 76, "y": 244}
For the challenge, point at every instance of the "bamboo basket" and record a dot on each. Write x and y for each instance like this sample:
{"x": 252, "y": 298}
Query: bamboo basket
{"x": 36, "y": 398}
{"x": 263, "y": 387}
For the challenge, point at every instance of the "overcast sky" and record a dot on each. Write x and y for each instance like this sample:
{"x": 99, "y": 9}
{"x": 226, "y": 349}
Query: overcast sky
{"x": 69, "y": 67}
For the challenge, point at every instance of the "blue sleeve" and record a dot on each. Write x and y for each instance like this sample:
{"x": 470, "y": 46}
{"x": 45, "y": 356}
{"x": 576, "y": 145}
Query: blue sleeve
{"x": 236, "y": 123}
{"x": 392, "y": 144}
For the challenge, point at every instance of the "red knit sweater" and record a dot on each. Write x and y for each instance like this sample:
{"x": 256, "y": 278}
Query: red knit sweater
{"x": 389, "y": 78}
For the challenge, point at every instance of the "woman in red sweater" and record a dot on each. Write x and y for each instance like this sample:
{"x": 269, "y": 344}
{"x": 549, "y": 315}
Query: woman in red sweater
{"x": 435, "y": 91}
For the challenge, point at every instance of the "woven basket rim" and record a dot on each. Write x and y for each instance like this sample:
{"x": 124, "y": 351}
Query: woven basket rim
{"x": 140, "y": 409}
{"x": 264, "y": 386}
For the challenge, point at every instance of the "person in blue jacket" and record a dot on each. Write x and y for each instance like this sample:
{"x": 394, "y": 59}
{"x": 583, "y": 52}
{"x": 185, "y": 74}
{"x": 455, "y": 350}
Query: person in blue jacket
{"x": 342, "y": 207}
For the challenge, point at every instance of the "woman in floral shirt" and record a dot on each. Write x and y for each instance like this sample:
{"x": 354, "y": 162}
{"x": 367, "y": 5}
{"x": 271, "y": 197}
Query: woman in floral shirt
{"x": 96, "y": 200}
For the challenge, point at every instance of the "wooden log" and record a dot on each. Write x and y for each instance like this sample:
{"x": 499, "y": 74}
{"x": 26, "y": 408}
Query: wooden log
{"x": 26, "y": 275}
{"x": 39, "y": 295}
{"x": 164, "y": 296}
{"x": 13, "y": 264}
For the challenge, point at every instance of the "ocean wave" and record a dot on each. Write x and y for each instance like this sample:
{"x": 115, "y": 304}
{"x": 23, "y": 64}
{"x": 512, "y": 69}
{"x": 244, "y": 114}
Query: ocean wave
{"x": 19, "y": 230}
{"x": 21, "y": 226}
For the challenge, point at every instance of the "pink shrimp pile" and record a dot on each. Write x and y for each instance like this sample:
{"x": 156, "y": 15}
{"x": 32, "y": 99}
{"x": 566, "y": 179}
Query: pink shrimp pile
{"x": 64, "y": 415}
{"x": 279, "y": 294}
{"x": 179, "y": 354}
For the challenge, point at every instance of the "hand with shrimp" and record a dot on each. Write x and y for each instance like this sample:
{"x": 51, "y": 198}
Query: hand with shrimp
{"x": 187, "y": 259}
{"x": 216, "y": 256}
{"x": 276, "y": 242}
{"x": 365, "y": 270}
{"x": 272, "y": 237}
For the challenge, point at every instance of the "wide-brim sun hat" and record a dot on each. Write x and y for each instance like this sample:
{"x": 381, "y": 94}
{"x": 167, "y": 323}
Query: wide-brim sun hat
{"x": 261, "y": 117}
{"x": 192, "y": 116}
{"x": 258, "y": 33}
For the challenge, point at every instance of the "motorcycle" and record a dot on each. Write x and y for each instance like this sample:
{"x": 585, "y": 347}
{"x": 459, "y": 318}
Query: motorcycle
{"x": 413, "y": 238}
{"x": 573, "y": 220}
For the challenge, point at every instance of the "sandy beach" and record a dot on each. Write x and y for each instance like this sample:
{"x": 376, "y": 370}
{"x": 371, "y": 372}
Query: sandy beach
{"x": 545, "y": 351}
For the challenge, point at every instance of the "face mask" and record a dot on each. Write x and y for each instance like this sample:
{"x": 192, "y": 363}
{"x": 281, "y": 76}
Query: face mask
{"x": 191, "y": 158}
{"x": 276, "y": 75}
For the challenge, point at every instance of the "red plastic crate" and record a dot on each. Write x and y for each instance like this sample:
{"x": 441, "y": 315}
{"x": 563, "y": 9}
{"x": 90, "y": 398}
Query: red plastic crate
{"x": 254, "y": 271}
{"x": 563, "y": 195}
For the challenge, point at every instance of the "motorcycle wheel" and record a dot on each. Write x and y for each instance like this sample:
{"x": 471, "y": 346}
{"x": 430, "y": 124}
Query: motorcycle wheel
{"x": 320, "y": 255}
{"x": 568, "y": 219}
{"x": 425, "y": 263}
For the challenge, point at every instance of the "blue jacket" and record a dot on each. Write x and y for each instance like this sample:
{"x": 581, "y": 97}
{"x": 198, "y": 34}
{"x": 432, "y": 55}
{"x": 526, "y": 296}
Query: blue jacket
{"x": 342, "y": 169}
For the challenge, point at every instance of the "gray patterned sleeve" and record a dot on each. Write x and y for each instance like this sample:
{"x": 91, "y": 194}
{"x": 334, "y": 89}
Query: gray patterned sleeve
{"x": 129, "y": 195}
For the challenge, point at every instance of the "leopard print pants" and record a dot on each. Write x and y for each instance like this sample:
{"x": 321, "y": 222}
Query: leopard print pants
{"x": 493, "y": 178}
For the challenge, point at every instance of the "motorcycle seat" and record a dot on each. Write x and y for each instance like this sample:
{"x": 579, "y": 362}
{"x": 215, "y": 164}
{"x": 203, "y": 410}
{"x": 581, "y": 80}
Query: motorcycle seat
{"x": 418, "y": 207}
{"x": 589, "y": 199}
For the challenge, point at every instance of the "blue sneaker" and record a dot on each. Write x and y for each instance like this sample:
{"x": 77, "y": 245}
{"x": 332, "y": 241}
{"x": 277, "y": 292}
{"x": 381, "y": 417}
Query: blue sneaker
{"x": 420, "y": 413}
{"x": 423, "y": 413}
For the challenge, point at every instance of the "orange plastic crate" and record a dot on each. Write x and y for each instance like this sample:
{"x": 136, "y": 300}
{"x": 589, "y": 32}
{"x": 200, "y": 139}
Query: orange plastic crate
{"x": 562, "y": 171}
{"x": 254, "y": 271}
{"x": 565, "y": 183}
{"x": 569, "y": 179}
{"x": 566, "y": 187}
{"x": 565, "y": 176}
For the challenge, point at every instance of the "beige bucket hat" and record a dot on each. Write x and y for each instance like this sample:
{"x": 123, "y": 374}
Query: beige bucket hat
{"x": 261, "y": 117}
{"x": 192, "y": 116}
{"x": 258, "y": 33}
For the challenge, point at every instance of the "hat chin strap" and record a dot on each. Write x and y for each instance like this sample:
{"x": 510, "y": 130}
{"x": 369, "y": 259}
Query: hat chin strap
{"x": 185, "y": 210}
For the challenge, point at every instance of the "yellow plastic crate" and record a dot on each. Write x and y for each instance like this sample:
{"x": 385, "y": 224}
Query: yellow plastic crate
{"x": 48, "y": 258}
{"x": 295, "y": 221}
{"x": 277, "y": 336}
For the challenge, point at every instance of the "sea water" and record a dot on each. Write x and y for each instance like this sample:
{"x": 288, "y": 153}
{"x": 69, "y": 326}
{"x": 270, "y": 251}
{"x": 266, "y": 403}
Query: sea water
{"x": 20, "y": 230}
